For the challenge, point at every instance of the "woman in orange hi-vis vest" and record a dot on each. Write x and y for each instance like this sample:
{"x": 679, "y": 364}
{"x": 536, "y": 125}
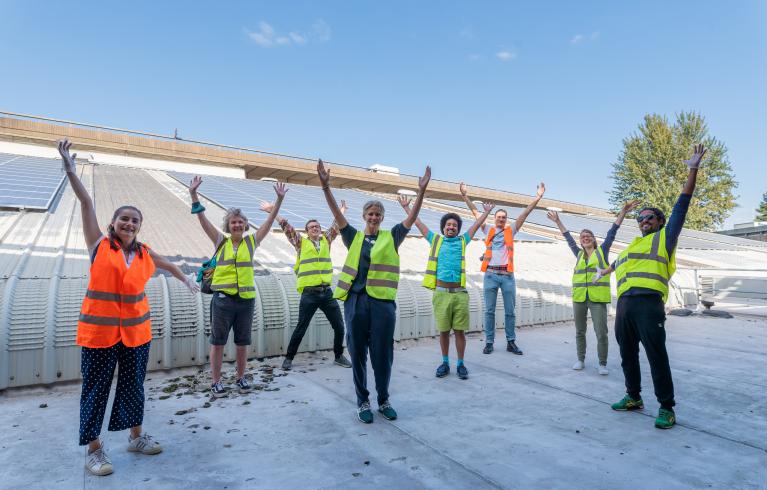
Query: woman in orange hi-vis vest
{"x": 114, "y": 327}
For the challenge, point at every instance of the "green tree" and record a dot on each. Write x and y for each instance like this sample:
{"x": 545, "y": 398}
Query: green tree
{"x": 651, "y": 168}
{"x": 761, "y": 211}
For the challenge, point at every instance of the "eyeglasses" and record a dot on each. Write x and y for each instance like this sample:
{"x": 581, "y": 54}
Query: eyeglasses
{"x": 645, "y": 217}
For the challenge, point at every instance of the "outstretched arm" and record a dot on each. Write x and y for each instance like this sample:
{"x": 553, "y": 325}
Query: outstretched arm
{"x": 207, "y": 226}
{"x": 465, "y": 197}
{"x": 628, "y": 206}
{"x": 332, "y": 232}
{"x": 324, "y": 176}
{"x": 405, "y": 203}
{"x": 90, "y": 223}
{"x": 280, "y": 189}
{"x": 522, "y": 217}
{"x": 169, "y": 266}
{"x": 694, "y": 163}
{"x": 554, "y": 216}
{"x": 488, "y": 206}
{"x": 423, "y": 182}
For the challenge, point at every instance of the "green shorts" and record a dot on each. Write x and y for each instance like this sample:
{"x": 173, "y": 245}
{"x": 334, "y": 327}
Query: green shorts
{"x": 451, "y": 310}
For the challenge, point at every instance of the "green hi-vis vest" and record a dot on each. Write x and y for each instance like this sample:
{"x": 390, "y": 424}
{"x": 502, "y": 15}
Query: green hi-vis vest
{"x": 430, "y": 277}
{"x": 383, "y": 275}
{"x": 234, "y": 272}
{"x": 646, "y": 264}
{"x": 583, "y": 275}
{"x": 313, "y": 268}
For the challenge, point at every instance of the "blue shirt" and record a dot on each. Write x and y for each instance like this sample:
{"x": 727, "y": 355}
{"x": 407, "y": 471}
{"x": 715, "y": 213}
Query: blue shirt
{"x": 449, "y": 257}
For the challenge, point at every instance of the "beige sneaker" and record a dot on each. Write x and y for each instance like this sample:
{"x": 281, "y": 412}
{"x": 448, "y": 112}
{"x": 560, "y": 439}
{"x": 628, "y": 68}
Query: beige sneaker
{"x": 144, "y": 444}
{"x": 579, "y": 365}
{"x": 98, "y": 463}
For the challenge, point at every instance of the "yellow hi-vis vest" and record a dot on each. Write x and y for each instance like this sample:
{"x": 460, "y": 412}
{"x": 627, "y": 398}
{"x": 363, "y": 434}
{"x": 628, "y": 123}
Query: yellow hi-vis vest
{"x": 234, "y": 272}
{"x": 383, "y": 275}
{"x": 430, "y": 277}
{"x": 646, "y": 264}
{"x": 313, "y": 268}
{"x": 583, "y": 275}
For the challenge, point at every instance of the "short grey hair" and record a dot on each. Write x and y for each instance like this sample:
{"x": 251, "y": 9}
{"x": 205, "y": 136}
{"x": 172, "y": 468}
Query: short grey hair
{"x": 231, "y": 213}
{"x": 372, "y": 203}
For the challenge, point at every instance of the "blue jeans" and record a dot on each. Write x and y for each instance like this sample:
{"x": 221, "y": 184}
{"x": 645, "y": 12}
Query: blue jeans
{"x": 508, "y": 287}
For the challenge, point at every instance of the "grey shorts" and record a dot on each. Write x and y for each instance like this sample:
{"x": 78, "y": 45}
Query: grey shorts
{"x": 231, "y": 312}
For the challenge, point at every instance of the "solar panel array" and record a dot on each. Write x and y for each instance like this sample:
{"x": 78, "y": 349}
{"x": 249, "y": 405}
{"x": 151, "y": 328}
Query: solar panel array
{"x": 627, "y": 232}
{"x": 29, "y": 182}
{"x": 305, "y": 202}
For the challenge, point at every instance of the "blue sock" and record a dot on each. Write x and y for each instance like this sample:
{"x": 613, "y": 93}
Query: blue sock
{"x": 446, "y": 359}
{"x": 460, "y": 362}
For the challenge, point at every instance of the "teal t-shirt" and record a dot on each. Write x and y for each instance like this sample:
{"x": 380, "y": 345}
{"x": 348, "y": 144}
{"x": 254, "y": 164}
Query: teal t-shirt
{"x": 449, "y": 258}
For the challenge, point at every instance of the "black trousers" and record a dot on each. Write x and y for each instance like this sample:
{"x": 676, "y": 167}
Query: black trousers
{"x": 310, "y": 301}
{"x": 643, "y": 319}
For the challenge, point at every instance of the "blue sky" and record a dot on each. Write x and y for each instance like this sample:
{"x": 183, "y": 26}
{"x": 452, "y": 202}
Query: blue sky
{"x": 500, "y": 94}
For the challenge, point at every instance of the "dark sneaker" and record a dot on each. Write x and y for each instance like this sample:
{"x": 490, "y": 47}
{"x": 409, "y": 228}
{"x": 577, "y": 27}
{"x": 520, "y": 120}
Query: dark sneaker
{"x": 488, "y": 349}
{"x": 443, "y": 370}
{"x": 511, "y": 346}
{"x": 387, "y": 411}
{"x": 666, "y": 419}
{"x": 342, "y": 361}
{"x": 628, "y": 403}
{"x": 218, "y": 390}
{"x": 287, "y": 364}
{"x": 463, "y": 373}
{"x": 243, "y": 386}
{"x": 364, "y": 413}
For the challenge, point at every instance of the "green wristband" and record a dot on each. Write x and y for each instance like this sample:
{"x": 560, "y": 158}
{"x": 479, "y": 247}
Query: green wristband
{"x": 197, "y": 208}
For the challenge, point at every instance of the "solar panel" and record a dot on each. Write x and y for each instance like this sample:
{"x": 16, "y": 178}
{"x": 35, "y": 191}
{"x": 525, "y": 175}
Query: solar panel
{"x": 29, "y": 182}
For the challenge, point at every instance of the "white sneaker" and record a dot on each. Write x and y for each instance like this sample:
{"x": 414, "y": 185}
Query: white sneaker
{"x": 144, "y": 444}
{"x": 98, "y": 463}
{"x": 578, "y": 365}
{"x": 603, "y": 370}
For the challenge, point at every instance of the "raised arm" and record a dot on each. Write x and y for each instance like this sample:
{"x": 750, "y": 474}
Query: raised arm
{"x": 522, "y": 217}
{"x": 90, "y": 223}
{"x": 280, "y": 189}
{"x": 404, "y": 201}
{"x": 423, "y": 182}
{"x": 554, "y": 216}
{"x": 487, "y": 207}
{"x": 169, "y": 266}
{"x": 324, "y": 176}
{"x": 628, "y": 206}
{"x": 332, "y": 231}
{"x": 207, "y": 226}
{"x": 693, "y": 163}
{"x": 465, "y": 197}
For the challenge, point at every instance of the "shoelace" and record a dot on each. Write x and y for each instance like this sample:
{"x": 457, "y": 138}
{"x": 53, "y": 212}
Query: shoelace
{"x": 218, "y": 386}
{"x": 100, "y": 456}
{"x": 385, "y": 406}
{"x": 363, "y": 407}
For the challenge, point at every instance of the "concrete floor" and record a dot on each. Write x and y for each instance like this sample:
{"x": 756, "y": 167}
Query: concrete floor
{"x": 519, "y": 422}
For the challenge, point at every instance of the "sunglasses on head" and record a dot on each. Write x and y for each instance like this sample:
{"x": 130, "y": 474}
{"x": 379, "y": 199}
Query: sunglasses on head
{"x": 645, "y": 217}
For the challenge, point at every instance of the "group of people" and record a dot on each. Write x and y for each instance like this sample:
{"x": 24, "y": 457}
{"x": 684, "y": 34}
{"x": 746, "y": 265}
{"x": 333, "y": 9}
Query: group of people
{"x": 114, "y": 327}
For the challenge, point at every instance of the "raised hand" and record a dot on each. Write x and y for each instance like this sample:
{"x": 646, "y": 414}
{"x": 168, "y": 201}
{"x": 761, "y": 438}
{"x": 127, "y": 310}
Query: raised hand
{"x": 488, "y": 206}
{"x": 553, "y": 216}
{"x": 404, "y": 201}
{"x": 266, "y": 206}
{"x": 697, "y": 156}
{"x": 343, "y": 207}
{"x": 67, "y": 160}
{"x": 424, "y": 181}
{"x": 323, "y": 173}
{"x": 280, "y": 189}
{"x": 630, "y": 205}
{"x": 541, "y": 189}
{"x": 463, "y": 189}
{"x": 195, "y": 184}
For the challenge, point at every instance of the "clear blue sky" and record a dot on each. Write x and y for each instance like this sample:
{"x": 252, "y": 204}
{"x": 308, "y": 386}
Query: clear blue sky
{"x": 499, "y": 94}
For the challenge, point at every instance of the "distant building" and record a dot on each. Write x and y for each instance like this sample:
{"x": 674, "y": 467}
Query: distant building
{"x": 755, "y": 230}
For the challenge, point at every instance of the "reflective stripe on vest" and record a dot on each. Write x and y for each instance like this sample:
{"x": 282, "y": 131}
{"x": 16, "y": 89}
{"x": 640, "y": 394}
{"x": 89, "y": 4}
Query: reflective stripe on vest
{"x": 430, "y": 276}
{"x": 313, "y": 268}
{"x": 508, "y": 240}
{"x": 645, "y": 264}
{"x": 233, "y": 274}
{"x": 583, "y": 275}
{"x": 383, "y": 275}
{"x": 115, "y": 308}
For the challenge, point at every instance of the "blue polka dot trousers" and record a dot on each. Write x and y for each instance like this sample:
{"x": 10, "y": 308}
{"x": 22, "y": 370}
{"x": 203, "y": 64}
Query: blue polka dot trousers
{"x": 98, "y": 369}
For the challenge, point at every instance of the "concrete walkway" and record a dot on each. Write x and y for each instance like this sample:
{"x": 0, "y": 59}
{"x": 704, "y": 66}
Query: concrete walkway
{"x": 519, "y": 422}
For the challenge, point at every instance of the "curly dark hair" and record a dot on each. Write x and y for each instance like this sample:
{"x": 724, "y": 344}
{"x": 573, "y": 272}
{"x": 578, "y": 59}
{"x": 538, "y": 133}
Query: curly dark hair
{"x": 443, "y": 222}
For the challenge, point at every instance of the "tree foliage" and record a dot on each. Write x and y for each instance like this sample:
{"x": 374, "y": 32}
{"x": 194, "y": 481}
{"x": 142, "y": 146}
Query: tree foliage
{"x": 761, "y": 211}
{"x": 651, "y": 168}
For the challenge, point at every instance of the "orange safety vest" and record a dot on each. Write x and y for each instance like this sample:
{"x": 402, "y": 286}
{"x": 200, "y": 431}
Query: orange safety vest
{"x": 508, "y": 240}
{"x": 115, "y": 307}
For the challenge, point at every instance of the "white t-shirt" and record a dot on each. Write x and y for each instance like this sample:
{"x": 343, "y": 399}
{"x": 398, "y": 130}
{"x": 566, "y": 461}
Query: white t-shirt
{"x": 92, "y": 252}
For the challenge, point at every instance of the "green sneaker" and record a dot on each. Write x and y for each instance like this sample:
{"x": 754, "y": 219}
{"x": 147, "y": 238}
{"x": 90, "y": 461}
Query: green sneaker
{"x": 364, "y": 413}
{"x": 628, "y": 403}
{"x": 666, "y": 419}
{"x": 387, "y": 411}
